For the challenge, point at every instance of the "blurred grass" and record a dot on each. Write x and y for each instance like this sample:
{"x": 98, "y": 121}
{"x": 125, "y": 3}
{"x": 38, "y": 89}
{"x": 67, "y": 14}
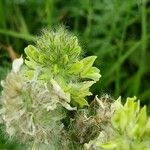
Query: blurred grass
{"x": 116, "y": 31}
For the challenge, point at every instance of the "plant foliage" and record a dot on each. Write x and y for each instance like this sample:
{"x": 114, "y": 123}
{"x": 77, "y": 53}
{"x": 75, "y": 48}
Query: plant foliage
{"x": 44, "y": 102}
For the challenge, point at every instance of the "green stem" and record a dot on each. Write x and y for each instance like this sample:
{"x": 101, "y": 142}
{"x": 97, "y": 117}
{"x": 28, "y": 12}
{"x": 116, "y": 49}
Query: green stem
{"x": 140, "y": 72}
{"x": 89, "y": 20}
{"x": 122, "y": 59}
{"x": 118, "y": 71}
{"x": 17, "y": 35}
{"x": 49, "y": 6}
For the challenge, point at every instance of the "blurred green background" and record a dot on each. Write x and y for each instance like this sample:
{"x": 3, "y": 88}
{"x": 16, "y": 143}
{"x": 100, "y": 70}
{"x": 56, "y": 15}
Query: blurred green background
{"x": 117, "y": 31}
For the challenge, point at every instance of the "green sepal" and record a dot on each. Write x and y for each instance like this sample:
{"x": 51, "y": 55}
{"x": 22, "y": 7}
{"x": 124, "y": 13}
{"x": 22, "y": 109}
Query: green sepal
{"x": 42, "y": 59}
{"x": 74, "y": 46}
{"x": 45, "y": 75}
{"x": 89, "y": 71}
{"x": 79, "y": 91}
{"x": 56, "y": 69}
{"x": 82, "y": 88}
{"x": 88, "y": 62}
{"x": 31, "y": 64}
{"x": 120, "y": 120}
{"x": 109, "y": 145}
{"x": 138, "y": 131}
{"x": 80, "y": 101}
{"x": 76, "y": 68}
{"x": 93, "y": 73}
{"x": 31, "y": 52}
{"x": 142, "y": 117}
{"x": 147, "y": 128}
{"x": 65, "y": 59}
{"x": 29, "y": 74}
{"x": 77, "y": 51}
{"x": 132, "y": 107}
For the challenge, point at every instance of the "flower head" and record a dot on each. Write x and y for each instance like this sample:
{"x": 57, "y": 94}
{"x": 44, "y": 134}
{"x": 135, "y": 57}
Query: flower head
{"x": 57, "y": 56}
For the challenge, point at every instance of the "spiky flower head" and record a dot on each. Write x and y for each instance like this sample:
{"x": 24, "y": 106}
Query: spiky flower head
{"x": 57, "y": 56}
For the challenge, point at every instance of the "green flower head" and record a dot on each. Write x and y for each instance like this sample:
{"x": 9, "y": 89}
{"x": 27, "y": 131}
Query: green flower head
{"x": 132, "y": 127}
{"x": 57, "y": 56}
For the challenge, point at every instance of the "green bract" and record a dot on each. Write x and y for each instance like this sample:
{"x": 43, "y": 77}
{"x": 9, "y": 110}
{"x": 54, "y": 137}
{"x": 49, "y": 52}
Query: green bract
{"x": 57, "y": 55}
